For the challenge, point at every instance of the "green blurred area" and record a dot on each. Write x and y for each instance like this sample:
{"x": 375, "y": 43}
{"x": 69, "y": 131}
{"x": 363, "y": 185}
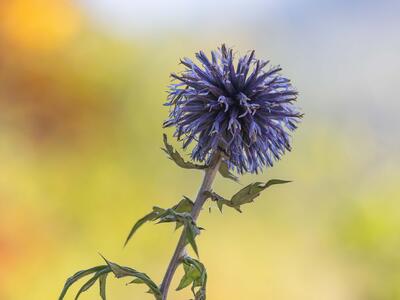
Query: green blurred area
{"x": 80, "y": 136}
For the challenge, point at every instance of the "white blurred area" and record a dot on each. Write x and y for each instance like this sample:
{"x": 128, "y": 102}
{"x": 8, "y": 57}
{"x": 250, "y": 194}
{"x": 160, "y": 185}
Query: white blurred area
{"x": 138, "y": 17}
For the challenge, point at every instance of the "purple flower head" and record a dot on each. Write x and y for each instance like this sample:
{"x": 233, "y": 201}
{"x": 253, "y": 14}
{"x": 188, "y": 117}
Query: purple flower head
{"x": 239, "y": 108}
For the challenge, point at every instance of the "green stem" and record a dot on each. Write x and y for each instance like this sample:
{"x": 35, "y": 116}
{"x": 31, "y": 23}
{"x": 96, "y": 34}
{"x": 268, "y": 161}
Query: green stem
{"x": 208, "y": 179}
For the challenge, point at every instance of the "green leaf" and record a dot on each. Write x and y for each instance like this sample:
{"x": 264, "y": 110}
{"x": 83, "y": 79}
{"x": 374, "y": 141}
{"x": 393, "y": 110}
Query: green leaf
{"x": 244, "y": 196}
{"x": 190, "y": 228}
{"x": 191, "y": 231}
{"x": 253, "y": 190}
{"x": 185, "y": 282}
{"x": 196, "y": 275}
{"x": 177, "y": 158}
{"x": 102, "y": 283}
{"x": 91, "y": 282}
{"x": 120, "y": 271}
{"x": 137, "y": 281}
{"x": 184, "y": 206}
{"x": 276, "y": 181}
{"x": 180, "y": 214}
{"x": 224, "y": 171}
{"x": 221, "y": 201}
{"x": 247, "y": 194}
{"x": 149, "y": 217}
{"x": 71, "y": 280}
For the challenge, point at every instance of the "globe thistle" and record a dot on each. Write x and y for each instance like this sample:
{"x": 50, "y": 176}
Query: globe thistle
{"x": 246, "y": 112}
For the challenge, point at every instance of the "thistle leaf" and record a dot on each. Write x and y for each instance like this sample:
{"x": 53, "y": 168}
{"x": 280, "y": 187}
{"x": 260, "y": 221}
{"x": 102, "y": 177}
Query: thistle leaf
{"x": 121, "y": 271}
{"x": 224, "y": 171}
{"x": 244, "y": 196}
{"x": 191, "y": 231}
{"x": 149, "y": 217}
{"x": 91, "y": 282}
{"x": 221, "y": 201}
{"x": 196, "y": 275}
{"x": 177, "y": 158}
{"x": 137, "y": 281}
{"x": 184, "y": 206}
{"x": 185, "y": 282}
{"x": 102, "y": 283}
{"x": 276, "y": 181}
{"x": 252, "y": 191}
{"x": 71, "y": 280}
{"x": 181, "y": 216}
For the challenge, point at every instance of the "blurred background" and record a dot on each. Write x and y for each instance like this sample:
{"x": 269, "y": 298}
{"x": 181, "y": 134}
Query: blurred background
{"x": 82, "y": 87}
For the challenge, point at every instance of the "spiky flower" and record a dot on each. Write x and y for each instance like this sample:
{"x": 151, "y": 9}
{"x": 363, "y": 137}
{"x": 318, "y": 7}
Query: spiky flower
{"x": 244, "y": 111}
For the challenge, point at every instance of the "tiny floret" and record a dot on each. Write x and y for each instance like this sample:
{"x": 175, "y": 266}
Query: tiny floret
{"x": 240, "y": 108}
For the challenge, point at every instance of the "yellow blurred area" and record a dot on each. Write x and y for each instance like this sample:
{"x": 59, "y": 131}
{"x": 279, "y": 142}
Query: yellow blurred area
{"x": 39, "y": 24}
{"x": 80, "y": 136}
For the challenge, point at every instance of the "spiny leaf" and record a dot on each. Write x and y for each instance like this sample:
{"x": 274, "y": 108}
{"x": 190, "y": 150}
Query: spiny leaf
{"x": 253, "y": 190}
{"x": 137, "y": 281}
{"x": 177, "y": 158}
{"x": 71, "y": 280}
{"x": 276, "y": 181}
{"x": 191, "y": 231}
{"x": 149, "y": 217}
{"x": 224, "y": 171}
{"x": 248, "y": 193}
{"x": 185, "y": 281}
{"x": 185, "y": 205}
{"x": 244, "y": 196}
{"x": 102, "y": 284}
{"x": 195, "y": 274}
{"x": 91, "y": 282}
{"x": 221, "y": 201}
{"x": 121, "y": 271}
{"x": 180, "y": 217}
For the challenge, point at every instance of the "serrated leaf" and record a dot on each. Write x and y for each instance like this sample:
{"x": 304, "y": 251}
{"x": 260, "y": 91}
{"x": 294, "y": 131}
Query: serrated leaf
{"x": 244, "y": 196}
{"x": 190, "y": 228}
{"x": 91, "y": 282}
{"x": 121, "y": 271}
{"x": 220, "y": 204}
{"x": 185, "y": 282}
{"x": 196, "y": 275}
{"x": 184, "y": 206}
{"x": 221, "y": 201}
{"x": 78, "y": 275}
{"x": 224, "y": 171}
{"x": 253, "y": 190}
{"x": 137, "y": 281}
{"x": 149, "y": 217}
{"x": 276, "y": 181}
{"x": 190, "y": 232}
{"x": 102, "y": 284}
{"x": 247, "y": 194}
{"x": 177, "y": 158}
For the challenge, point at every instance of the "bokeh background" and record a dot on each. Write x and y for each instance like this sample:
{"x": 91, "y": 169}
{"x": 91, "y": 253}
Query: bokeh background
{"x": 82, "y": 85}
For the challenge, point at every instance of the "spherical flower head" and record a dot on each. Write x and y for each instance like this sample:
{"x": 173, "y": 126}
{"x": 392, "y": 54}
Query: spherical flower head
{"x": 238, "y": 108}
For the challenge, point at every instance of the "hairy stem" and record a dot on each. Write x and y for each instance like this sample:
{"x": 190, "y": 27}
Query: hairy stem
{"x": 208, "y": 179}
